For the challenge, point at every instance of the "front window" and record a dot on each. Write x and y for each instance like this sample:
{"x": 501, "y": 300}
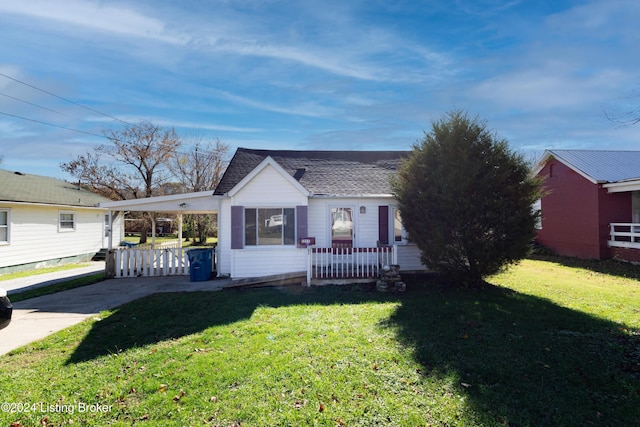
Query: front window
{"x": 269, "y": 226}
{"x": 341, "y": 227}
{"x": 67, "y": 221}
{"x": 4, "y": 226}
{"x": 399, "y": 233}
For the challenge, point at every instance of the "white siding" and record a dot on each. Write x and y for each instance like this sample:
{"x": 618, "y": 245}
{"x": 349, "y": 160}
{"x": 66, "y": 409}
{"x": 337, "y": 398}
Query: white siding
{"x": 35, "y": 235}
{"x": 257, "y": 262}
{"x": 267, "y": 189}
{"x": 409, "y": 258}
{"x": 224, "y": 238}
{"x": 318, "y": 226}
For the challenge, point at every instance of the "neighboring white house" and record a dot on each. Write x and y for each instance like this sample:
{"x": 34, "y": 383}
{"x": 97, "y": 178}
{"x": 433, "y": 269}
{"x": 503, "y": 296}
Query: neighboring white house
{"x": 289, "y": 211}
{"x": 45, "y": 221}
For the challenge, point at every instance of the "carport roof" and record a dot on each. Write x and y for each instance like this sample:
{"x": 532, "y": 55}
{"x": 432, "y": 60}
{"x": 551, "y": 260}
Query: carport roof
{"x": 199, "y": 202}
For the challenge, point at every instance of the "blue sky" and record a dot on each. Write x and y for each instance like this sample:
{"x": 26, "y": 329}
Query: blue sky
{"x": 326, "y": 74}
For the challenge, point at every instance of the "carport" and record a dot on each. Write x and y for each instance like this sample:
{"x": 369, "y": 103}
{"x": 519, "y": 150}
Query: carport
{"x": 151, "y": 262}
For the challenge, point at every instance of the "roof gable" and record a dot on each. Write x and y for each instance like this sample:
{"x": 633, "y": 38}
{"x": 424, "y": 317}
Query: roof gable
{"x": 322, "y": 173}
{"x": 27, "y": 188}
{"x": 256, "y": 171}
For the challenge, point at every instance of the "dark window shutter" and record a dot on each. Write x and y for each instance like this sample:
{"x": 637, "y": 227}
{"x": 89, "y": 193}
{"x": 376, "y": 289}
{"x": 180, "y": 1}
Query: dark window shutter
{"x": 383, "y": 224}
{"x": 237, "y": 227}
{"x": 302, "y": 221}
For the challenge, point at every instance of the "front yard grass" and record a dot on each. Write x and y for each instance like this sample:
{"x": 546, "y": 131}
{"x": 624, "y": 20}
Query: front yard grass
{"x": 543, "y": 344}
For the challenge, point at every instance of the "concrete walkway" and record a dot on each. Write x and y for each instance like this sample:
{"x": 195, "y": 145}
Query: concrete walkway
{"x": 23, "y": 283}
{"x": 39, "y": 317}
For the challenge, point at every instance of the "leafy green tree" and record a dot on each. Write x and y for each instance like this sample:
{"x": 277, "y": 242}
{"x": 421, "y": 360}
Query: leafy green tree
{"x": 466, "y": 200}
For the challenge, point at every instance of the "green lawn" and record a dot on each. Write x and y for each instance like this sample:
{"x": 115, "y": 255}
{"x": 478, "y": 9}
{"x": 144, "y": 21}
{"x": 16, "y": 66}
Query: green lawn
{"x": 544, "y": 344}
{"x": 35, "y": 272}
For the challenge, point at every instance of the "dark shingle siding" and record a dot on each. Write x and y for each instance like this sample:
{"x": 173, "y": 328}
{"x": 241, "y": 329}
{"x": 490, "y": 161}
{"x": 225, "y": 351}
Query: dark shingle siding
{"x": 28, "y": 188}
{"x": 336, "y": 173}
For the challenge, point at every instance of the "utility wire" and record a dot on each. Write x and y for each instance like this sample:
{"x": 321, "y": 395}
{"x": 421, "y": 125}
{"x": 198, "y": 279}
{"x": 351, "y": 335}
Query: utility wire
{"x": 206, "y": 152}
{"x": 51, "y": 124}
{"x": 65, "y": 99}
{"x": 30, "y": 103}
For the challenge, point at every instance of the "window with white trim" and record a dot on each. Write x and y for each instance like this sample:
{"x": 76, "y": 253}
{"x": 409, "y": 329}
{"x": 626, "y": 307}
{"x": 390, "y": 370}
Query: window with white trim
{"x": 269, "y": 226}
{"x": 66, "y": 221}
{"x": 5, "y": 222}
{"x": 399, "y": 233}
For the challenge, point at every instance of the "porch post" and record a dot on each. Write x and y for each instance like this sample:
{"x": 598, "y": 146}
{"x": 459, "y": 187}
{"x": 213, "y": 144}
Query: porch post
{"x": 110, "y": 239}
{"x": 153, "y": 231}
{"x": 309, "y": 266}
{"x": 179, "y": 230}
{"x": 109, "y": 261}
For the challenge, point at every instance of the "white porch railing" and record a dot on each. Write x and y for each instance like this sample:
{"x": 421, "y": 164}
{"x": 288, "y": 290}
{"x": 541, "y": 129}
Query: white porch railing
{"x": 624, "y": 235}
{"x": 134, "y": 262}
{"x": 347, "y": 263}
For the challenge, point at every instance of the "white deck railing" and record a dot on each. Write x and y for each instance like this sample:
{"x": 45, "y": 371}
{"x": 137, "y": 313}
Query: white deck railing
{"x": 347, "y": 263}
{"x": 624, "y": 235}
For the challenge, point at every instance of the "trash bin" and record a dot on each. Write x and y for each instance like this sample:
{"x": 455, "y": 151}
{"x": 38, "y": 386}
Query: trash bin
{"x": 200, "y": 264}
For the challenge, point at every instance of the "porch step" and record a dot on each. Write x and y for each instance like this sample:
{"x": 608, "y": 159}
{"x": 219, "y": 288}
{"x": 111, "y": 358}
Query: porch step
{"x": 296, "y": 278}
{"x": 101, "y": 255}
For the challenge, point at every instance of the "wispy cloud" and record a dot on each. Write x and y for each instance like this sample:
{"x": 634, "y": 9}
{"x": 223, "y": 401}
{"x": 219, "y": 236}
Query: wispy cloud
{"x": 97, "y": 16}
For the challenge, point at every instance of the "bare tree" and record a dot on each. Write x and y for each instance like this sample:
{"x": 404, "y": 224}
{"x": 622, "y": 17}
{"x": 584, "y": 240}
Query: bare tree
{"x": 201, "y": 170}
{"x": 629, "y": 115}
{"x": 135, "y": 164}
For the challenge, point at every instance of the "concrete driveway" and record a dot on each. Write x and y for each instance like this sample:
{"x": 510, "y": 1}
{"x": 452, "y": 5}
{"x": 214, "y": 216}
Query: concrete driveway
{"x": 39, "y": 317}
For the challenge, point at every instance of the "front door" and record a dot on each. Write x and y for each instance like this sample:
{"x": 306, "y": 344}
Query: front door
{"x": 342, "y": 227}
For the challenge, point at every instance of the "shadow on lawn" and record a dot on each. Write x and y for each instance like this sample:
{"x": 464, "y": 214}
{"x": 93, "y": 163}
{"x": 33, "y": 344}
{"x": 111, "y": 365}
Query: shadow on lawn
{"x": 520, "y": 360}
{"x": 162, "y": 317}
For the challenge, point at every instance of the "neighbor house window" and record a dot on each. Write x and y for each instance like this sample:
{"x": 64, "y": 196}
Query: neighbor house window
{"x": 537, "y": 207}
{"x": 67, "y": 221}
{"x": 269, "y": 226}
{"x": 4, "y": 226}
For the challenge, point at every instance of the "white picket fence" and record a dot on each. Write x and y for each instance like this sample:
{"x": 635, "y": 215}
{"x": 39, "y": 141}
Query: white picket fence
{"x": 134, "y": 262}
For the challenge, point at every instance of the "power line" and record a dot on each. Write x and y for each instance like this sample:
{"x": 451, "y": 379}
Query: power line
{"x": 206, "y": 152}
{"x": 64, "y": 99}
{"x": 51, "y": 124}
{"x": 30, "y": 103}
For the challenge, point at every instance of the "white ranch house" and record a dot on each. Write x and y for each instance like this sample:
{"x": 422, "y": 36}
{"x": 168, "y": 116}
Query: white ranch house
{"x": 330, "y": 215}
{"x": 46, "y": 221}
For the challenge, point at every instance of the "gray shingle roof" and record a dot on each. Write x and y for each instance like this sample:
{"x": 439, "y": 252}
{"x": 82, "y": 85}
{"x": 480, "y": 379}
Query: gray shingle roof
{"x": 335, "y": 173}
{"x": 601, "y": 165}
{"x": 27, "y": 188}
